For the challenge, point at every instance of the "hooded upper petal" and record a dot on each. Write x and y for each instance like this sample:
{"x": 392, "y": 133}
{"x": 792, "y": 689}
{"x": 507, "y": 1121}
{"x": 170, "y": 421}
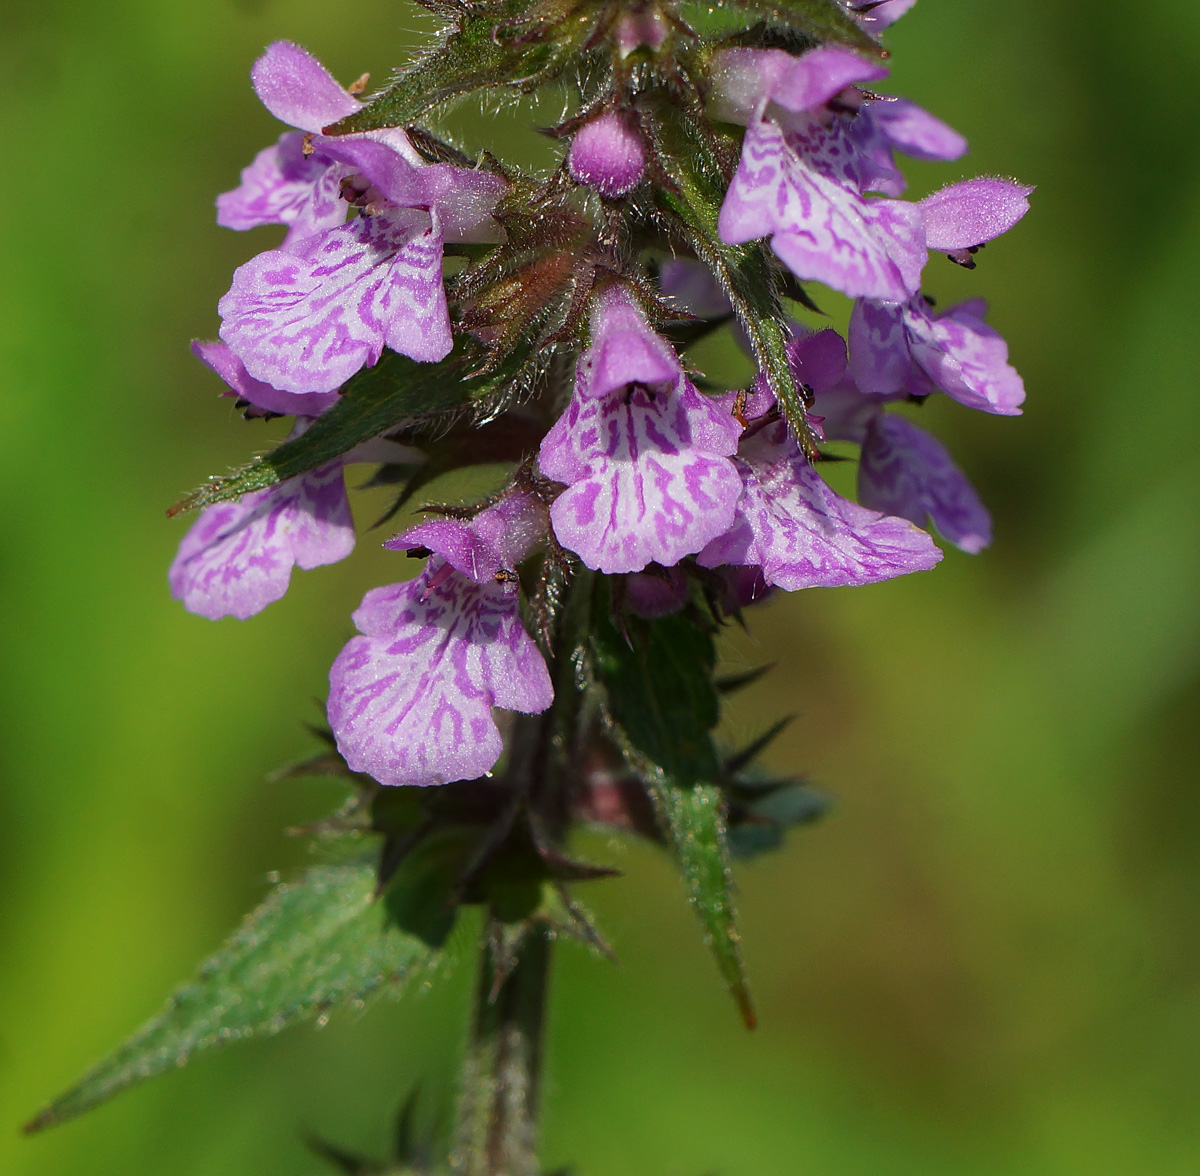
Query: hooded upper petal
{"x": 878, "y": 16}
{"x": 973, "y": 212}
{"x": 904, "y": 471}
{"x": 496, "y": 538}
{"x": 902, "y": 347}
{"x": 298, "y": 90}
{"x": 624, "y": 350}
{"x": 238, "y": 556}
{"x": 305, "y": 319}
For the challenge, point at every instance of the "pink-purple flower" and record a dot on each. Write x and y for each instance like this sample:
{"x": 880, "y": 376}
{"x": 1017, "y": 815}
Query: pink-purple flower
{"x": 814, "y": 147}
{"x": 908, "y": 348}
{"x": 304, "y": 318}
{"x": 238, "y": 556}
{"x": 789, "y": 524}
{"x": 411, "y": 699}
{"x": 902, "y": 470}
{"x": 645, "y": 457}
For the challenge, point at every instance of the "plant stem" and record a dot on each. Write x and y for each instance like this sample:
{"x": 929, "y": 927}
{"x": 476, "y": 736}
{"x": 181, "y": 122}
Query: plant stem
{"x": 498, "y": 1115}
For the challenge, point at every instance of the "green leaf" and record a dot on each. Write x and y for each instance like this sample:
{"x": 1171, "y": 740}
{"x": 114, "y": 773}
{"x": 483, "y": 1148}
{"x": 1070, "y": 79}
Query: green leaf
{"x": 820, "y": 20}
{"x": 694, "y": 819}
{"x": 396, "y": 391}
{"x": 698, "y": 163}
{"x": 661, "y": 704}
{"x": 315, "y": 943}
{"x": 515, "y": 44}
{"x": 657, "y": 677}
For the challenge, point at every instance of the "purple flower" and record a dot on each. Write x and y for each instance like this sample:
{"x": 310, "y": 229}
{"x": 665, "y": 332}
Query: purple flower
{"x": 307, "y": 317}
{"x": 644, "y": 455}
{"x": 411, "y": 700}
{"x": 221, "y": 360}
{"x": 304, "y": 318}
{"x": 238, "y": 556}
{"x": 902, "y": 347}
{"x": 608, "y": 154}
{"x": 691, "y": 287}
{"x": 904, "y": 471}
{"x": 906, "y": 348}
{"x": 803, "y": 535}
{"x": 814, "y": 146}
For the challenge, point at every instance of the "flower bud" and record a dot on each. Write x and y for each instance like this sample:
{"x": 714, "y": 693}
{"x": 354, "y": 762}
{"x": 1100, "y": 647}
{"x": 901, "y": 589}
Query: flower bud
{"x": 608, "y": 154}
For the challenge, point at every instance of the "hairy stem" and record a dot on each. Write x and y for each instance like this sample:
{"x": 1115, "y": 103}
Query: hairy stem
{"x": 498, "y": 1115}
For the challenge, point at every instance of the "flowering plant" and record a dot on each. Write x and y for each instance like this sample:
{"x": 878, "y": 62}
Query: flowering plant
{"x": 552, "y": 664}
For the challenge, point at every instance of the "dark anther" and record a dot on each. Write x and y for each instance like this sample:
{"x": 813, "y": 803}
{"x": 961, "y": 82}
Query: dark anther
{"x": 417, "y": 552}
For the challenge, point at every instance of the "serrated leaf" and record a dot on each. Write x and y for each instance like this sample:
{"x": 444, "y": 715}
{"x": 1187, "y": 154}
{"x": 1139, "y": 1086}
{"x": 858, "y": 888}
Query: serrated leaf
{"x": 396, "y": 391}
{"x": 661, "y": 705}
{"x": 313, "y": 944}
{"x": 820, "y": 20}
{"x": 503, "y": 46}
{"x": 696, "y": 161}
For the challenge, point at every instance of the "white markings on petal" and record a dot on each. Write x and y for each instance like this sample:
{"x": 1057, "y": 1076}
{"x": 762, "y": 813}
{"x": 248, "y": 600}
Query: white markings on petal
{"x": 411, "y": 699}
{"x": 238, "y": 556}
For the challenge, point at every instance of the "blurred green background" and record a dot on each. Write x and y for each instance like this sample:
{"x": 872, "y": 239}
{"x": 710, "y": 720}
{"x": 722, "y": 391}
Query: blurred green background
{"x": 986, "y": 961}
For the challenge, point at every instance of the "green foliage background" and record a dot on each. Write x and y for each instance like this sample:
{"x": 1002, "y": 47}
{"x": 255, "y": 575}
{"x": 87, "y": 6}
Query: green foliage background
{"x": 985, "y": 962}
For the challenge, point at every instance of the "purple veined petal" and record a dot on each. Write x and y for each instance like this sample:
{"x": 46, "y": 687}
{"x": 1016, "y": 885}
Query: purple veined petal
{"x": 965, "y": 358}
{"x": 691, "y": 286}
{"x": 298, "y": 90}
{"x": 656, "y": 592}
{"x": 238, "y": 556}
{"x": 821, "y": 230}
{"x": 972, "y": 212}
{"x": 881, "y": 359}
{"x": 513, "y": 526}
{"x": 815, "y": 77}
{"x": 904, "y": 471}
{"x": 410, "y": 701}
{"x": 802, "y": 534}
{"x": 307, "y": 319}
{"x": 915, "y": 132}
{"x": 624, "y": 350}
{"x": 878, "y": 16}
{"x": 649, "y": 475}
{"x": 283, "y": 186}
{"x": 221, "y": 360}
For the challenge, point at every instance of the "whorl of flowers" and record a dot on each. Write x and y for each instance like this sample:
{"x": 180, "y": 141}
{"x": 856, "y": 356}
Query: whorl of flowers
{"x": 578, "y": 291}
{"x": 553, "y": 662}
